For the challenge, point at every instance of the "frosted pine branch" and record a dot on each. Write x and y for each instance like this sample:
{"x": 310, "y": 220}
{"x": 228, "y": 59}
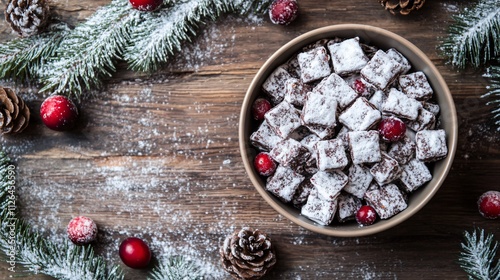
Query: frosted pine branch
{"x": 478, "y": 256}
{"x": 37, "y": 254}
{"x": 158, "y": 36}
{"x": 89, "y": 53}
{"x": 493, "y": 75}
{"x": 474, "y": 37}
{"x": 77, "y": 61}
{"x": 20, "y": 58}
{"x": 175, "y": 268}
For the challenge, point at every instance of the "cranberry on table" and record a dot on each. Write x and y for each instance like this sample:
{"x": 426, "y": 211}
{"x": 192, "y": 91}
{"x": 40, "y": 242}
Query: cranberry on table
{"x": 146, "y": 5}
{"x": 392, "y": 129}
{"x": 135, "y": 253}
{"x": 366, "y": 215}
{"x": 58, "y": 113}
{"x": 82, "y": 230}
{"x": 260, "y": 107}
{"x": 264, "y": 164}
{"x": 489, "y": 204}
{"x": 283, "y": 12}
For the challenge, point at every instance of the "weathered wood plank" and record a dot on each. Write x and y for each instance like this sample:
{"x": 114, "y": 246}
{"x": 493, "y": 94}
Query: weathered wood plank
{"x": 159, "y": 154}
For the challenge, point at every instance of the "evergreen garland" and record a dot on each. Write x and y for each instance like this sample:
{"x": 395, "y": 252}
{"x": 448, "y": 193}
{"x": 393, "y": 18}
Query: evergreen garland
{"x": 72, "y": 62}
{"x": 22, "y": 245}
{"x": 474, "y": 37}
{"x": 493, "y": 74}
{"x": 176, "y": 268}
{"x": 474, "y": 40}
{"x": 478, "y": 255}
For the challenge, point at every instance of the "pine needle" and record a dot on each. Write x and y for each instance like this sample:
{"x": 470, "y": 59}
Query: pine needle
{"x": 478, "y": 254}
{"x": 493, "y": 74}
{"x": 176, "y": 268}
{"x": 36, "y": 253}
{"x": 72, "y": 62}
{"x": 158, "y": 36}
{"x": 20, "y": 58}
{"x": 89, "y": 52}
{"x": 474, "y": 38}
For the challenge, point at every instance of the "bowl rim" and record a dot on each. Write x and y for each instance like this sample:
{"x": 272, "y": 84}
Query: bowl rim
{"x": 377, "y": 227}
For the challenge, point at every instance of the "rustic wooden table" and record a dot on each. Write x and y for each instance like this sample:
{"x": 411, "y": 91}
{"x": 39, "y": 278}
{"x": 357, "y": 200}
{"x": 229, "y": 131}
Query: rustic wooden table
{"x": 157, "y": 156}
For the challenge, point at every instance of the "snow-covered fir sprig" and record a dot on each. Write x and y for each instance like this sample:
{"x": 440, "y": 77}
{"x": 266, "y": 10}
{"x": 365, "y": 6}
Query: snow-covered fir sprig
{"x": 21, "y": 58}
{"x": 88, "y": 53}
{"x": 74, "y": 62}
{"x": 176, "y": 268}
{"x": 493, "y": 74}
{"x": 22, "y": 245}
{"x": 474, "y": 38}
{"x": 477, "y": 257}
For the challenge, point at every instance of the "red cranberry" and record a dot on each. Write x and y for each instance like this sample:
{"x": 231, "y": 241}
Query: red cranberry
{"x": 489, "y": 204}
{"x": 146, "y": 5}
{"x": 135, "y": 253}
{"x": 260, "y": 107}
{"x": 58, "y": 113}
{"x": 392, "y": 129}
{"x": 366, "y": 215}
{"x": 82, "y": 230}
{"x": 264, "y": 164}
{"x": 283, "y": 11}
{"x": 359, "y": 86}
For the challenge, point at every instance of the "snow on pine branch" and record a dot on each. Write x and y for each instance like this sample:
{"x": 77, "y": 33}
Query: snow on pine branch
{"x": 493, "y": 74}
{"x": 158, "y": 36}
{"x": 478, "y": 255}
{"x": 474, "y": 37}
{"x": 72, "y": 62}
{"x": 89, "y": 52}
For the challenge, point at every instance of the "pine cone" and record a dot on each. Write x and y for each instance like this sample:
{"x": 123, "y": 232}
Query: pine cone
{"x": 14, "y": 114}
{"x": 247, "y": 254}
{"x": 404, "y": 7}
{"x": 27, "y": 17}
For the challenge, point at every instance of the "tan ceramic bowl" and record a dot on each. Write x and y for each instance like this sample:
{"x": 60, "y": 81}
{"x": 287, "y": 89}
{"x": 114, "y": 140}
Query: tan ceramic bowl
{"x": 384, "y": 40}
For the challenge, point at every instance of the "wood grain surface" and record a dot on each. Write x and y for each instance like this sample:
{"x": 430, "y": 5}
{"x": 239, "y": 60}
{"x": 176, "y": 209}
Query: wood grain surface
{"x": 157, "y": 155}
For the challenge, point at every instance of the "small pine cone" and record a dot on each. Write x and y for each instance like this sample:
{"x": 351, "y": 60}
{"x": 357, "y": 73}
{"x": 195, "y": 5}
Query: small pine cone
{"x": 14, "y": 114}
{"x": 403, "y": 7}
{"x": 27, "y": 17}
{"x": 247, "y": 254}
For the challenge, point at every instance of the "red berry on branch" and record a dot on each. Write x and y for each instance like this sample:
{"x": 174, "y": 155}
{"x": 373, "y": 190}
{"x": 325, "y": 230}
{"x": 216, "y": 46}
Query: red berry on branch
{"x": 489, "y": 204}
{"x": 146, "y": 5}
{"x": 82, "y": 230}
{"x": 135, "y": 253}
{"x": 366, "y": 215}
{"x": 264, "y": 164}
{"x": 283, "y": 11}
{"x": 392, "y": 129}
{"x": 260, "y": 107}
{"x": 58, "y": 113}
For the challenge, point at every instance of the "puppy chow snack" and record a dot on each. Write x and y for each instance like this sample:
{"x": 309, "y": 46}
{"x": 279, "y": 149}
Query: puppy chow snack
{"x": 382, "y": 70}
{"x": 274, "y": 85}
{"x": 318, "y": 209}
{"x": 361, "y": 115}
{"x": 325, "y": 130}
{"x": 338, "y": 88}
{"x": 431, "y": 145}
{"x": 314, "y": 64}
{"x": 330, "y": 154}
{"x": 284, "y": 183}
{"x": 415, "y": 85}
{"x": 347, "y": 56}
{"x": 284, "y": 119}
